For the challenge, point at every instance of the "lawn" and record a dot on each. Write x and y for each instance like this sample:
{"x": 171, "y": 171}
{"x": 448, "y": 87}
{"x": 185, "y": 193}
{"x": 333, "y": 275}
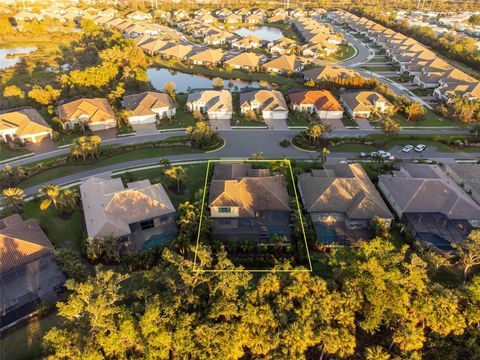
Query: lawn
{"x": 377, "y": 60}
{"x": 182, "y": 119}
{"x": 378, "y": 68}
{"x": 345, "y": 52}
{"x": 66, "y": 233}
{"x": 295, "y": 119}
{"x": 287, "y": 30}
{"x": 25, "y": 343}
{"x": 62, "y": 171}
{"x": 6, "y": 152}
{"x": 238, "y": 119}
{"x": 193, "y": 182}
{"x": 431, "y": 119}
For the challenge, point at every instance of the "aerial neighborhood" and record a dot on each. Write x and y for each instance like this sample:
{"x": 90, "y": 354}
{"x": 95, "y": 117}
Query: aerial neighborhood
{"x": 176, "y": 174}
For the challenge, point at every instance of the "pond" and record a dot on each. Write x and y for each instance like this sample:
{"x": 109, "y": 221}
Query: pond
{"x": 183, "y": 82}
{"x": 268, "y": 33}
{"x": 9, "y": 57}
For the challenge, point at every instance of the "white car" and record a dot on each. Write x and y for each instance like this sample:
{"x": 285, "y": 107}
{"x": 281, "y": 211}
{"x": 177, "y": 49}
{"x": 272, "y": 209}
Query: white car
{"x": 420, "y": 147}
{"x": 383, "y": 154}
{"x": 343, "y": 162}
{"x": 407, "y": 148}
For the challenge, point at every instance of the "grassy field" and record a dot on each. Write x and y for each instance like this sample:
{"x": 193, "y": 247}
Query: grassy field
{"x": 193, "y": 182}
{"x": 51, "y": 174}
{"x": 25, "y": 343}
{"x": 66, "y": 233}
{"x": 182, "y": 118}
{"x": 238, "y": 119}
{"x": 378, "y": 68}
{"x": 6, "y": 152}
{"x": 431, "y": 119}
{"x": 344, "y": 53}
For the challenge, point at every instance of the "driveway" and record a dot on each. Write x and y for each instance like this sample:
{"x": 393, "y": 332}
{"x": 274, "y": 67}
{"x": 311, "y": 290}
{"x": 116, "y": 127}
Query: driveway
{"x": 145, "y": 129}
{"x": 41, "y": 147}
{"x": 335, "y": 123}
{"x": 363, "y": 124}
{"x": 276, "y": 124}
{"x": 220, "y": 124}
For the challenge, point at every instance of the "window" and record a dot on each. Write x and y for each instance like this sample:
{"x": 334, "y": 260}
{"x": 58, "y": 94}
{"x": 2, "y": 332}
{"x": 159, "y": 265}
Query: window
{"x": 224, "y": 210}
{"x": 148, "y": 224}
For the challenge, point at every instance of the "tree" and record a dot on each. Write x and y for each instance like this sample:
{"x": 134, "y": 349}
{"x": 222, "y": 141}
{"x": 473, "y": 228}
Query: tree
{"x": 217, "y": 83}
{"x": 258, "y": 155}
{"x": 71, "y": 264}
{"x": 165, "y": 163}
{"x": 176, "y": 173}
{"x": 169, "y": 87}
{"x": 469, "y": 252}
{"x": 414, "y": 111}
{"x": 381, "y": 227}
{"x": 85, "y": 145}
{"x": 13, "y": 198}
{"x": 14, "y": 94}
{"x": 202, "y": 135}
{"x": 323, "y": 155}
{"x": 103, "y": 249}
{"x": 52, "y": 194}
{"x": 314, "y": 132}
{"x": 68, "y": 200}
{"x": 389, "y": 125}
{"x": 45, "y": 96}
{"x": 310, "y": 83}
{"x": 474, "y": 19}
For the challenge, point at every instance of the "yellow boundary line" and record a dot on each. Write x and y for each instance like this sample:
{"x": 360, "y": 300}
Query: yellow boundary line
{"x": 299, "y": 213}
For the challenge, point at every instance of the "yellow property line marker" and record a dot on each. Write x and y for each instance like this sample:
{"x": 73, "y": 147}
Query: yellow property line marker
{"x": 299, "y": 213}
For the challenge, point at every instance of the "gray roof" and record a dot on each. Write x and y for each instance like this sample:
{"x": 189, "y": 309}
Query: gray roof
{"x": 419, "y": 188}
{"x": 342, "y": 189}
{"x": 469, "y": 173}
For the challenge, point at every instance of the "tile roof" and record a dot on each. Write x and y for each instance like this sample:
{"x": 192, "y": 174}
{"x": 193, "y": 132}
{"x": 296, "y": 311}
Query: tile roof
{"x": 26, "y": 121}
{"x": 323, "y": 100}
{"x": 144, "y": 103}
{"x": 97, "y": 109}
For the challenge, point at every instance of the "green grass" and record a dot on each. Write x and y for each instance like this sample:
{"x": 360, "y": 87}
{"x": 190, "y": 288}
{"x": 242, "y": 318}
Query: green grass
{"x": 348, "y": 121}
{"x": 431, "y": 119}
{"x": 67, "y": 233}
{"x": 345, "y": 52}
{"x": 6, "y": 152}
{"x": 25, "y": 343}
{"x": 193, "y": 181}
{"x": 295, "y": 119}
{"x": 287, "y": 30}
{"x": 182, "y": 119}
{"x": 422, "y": 92}
{"x": 238, "y": 119}
{"x": 378, "y": 68}
{"x": 352, "y": 148}
{"x": 377, "y": 60}
{"x": 62, "y": 171}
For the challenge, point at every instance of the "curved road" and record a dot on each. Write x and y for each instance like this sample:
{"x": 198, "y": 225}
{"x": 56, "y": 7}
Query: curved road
{"x": 242, "y": 144}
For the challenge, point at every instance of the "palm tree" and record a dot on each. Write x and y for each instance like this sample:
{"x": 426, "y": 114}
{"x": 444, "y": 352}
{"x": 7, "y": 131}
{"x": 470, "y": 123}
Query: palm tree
{"x": 176, "y": 173}
{"x": 323, "y": 156}
{"x": 13, "y": 197}
{"x": 52, "y": 194}
{"x": 164, "y": 163}
{"x": 314, "y": 131}
{"x": 68, "y": 199}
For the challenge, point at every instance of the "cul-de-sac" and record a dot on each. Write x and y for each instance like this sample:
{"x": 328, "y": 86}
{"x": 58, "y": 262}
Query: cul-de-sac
{"x": 242, "y": 180}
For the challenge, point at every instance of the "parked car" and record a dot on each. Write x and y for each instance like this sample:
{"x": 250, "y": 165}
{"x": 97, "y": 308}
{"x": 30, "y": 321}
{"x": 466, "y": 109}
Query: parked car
{"x": 383, "y": 154}
{"x": 420, "y": 147}
{"x": 363, "y": 155}
{"x": 407, "y": 148}
{"x": 343, "y": 162}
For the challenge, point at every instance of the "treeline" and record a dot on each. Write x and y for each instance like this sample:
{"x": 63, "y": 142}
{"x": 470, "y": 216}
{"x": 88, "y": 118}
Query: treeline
{"x": 460, "y": 48}
{"x": 379, "y": 302}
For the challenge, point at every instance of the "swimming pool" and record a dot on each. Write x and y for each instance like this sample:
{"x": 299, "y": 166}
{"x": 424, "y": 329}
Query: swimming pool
{"x": 158, "y": 240}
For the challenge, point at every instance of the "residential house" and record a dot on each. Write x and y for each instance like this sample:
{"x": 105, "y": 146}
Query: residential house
{"x": 219, "y": 38}
{"x": 436, "y": 211}
{"x": 284, "y": 64}
{"x": 217, "y": 104}
{"x": 246, "y": 61}
{"x": 270, "y": 103}
{"x": 140, "y": 216}
{"x": 208, "y": 57}
{"x": 467, "y": 176}
{"x": 223, "y": 13}
{"x": 178, "y": 51}
{"x": 139, "y": 16}
{"x": 96, "y": 113}
{"x": 154, "y": 46}
{"x": 329, "y": 73}
{"x": 29, "y": 275}
{"x": 341, "y": 201}
{"x": 206, "y": 18}
{"x": 148, "y": 107}
{"x": 233, "y": 19}
{"x": 319, "y": 50}
{"x": 283, "y": 46}
{"x": 320, "y": 102}
{"x": 248, "y": 204}
{"x": 254, "y": 19}
{"x": 362, "y": 103}
{"x": 25, "y": 124}
{"x": 247, "y": 42}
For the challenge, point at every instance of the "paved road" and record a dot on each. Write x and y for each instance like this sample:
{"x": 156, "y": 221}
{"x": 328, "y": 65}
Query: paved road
{"x": 239, "y": 142}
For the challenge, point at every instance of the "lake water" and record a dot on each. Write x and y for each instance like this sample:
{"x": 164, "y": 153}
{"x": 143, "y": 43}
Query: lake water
{"x": 7, "y": 61}
{"x": 183, "y": 82}
{"x": 267, "y": 33}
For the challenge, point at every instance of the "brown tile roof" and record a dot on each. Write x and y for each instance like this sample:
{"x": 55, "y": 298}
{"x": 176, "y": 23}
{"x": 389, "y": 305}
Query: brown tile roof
{"x": 323, "y": 100}
{"x": 268, "y": 100}
{"x": 143, "y": 103}
{"x": 251, "y": 194}
{"x": 97, "y": 109}
{"x": 179, "y": 51}
{"x": 244, "y": 59}
{"x": 21, "y": 242}
{"x": 363, "y": 100}
{"x": 26, "y": 122}
{"x": 342, "y": 189}
{"x": 329, "y": 72}
{"x": 210, "y": 55}
{"x": 284, "y": 62}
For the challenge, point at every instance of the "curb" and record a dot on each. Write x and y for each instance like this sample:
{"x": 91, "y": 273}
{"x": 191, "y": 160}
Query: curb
{"x": 300, "y": 149}
{"x": 220, "y": 148}
{"x": 17, "y": 158}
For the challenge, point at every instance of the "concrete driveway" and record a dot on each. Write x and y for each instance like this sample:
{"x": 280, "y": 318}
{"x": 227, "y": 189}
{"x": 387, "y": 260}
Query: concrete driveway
{"x": 145, "y": 129}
